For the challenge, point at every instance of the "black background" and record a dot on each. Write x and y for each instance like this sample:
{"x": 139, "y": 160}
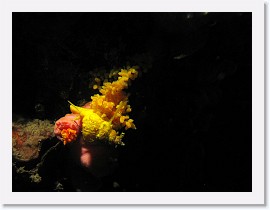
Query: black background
{"x": 192, "y": 112}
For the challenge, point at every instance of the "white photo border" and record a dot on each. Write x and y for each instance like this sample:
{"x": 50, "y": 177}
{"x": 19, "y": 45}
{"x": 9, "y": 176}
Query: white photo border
{"x": 255, "y": 197}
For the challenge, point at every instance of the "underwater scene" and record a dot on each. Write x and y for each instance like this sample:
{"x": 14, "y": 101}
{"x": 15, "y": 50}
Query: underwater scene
{"x": 132, "y": 102}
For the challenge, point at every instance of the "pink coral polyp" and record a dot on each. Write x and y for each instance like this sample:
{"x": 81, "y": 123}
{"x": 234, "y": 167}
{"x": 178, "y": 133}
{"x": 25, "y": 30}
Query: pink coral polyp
{"x": 68, "y": 127}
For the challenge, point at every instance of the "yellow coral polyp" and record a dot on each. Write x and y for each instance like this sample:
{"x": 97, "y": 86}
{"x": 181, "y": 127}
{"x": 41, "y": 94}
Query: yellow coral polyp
{"x": 95, "y": 87}
{"x": 108, "y": 110}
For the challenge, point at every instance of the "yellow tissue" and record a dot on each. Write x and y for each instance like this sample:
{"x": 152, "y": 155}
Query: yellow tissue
{"x": 108, "y": 110}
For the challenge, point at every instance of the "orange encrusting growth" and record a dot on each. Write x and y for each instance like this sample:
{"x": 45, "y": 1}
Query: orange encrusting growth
{"x": 68, "y": 135}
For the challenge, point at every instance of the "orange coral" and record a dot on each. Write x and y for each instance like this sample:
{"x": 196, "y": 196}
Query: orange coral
{"x": 68, "y": 135}
{"x": 68, "y": 128}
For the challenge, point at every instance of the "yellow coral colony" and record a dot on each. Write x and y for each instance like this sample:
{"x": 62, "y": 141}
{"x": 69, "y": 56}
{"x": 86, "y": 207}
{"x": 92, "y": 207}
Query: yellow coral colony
{"x": 108, "y": 110}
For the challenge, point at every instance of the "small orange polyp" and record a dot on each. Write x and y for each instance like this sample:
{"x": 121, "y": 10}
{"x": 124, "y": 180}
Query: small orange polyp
{"x": 68, "y": 135}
